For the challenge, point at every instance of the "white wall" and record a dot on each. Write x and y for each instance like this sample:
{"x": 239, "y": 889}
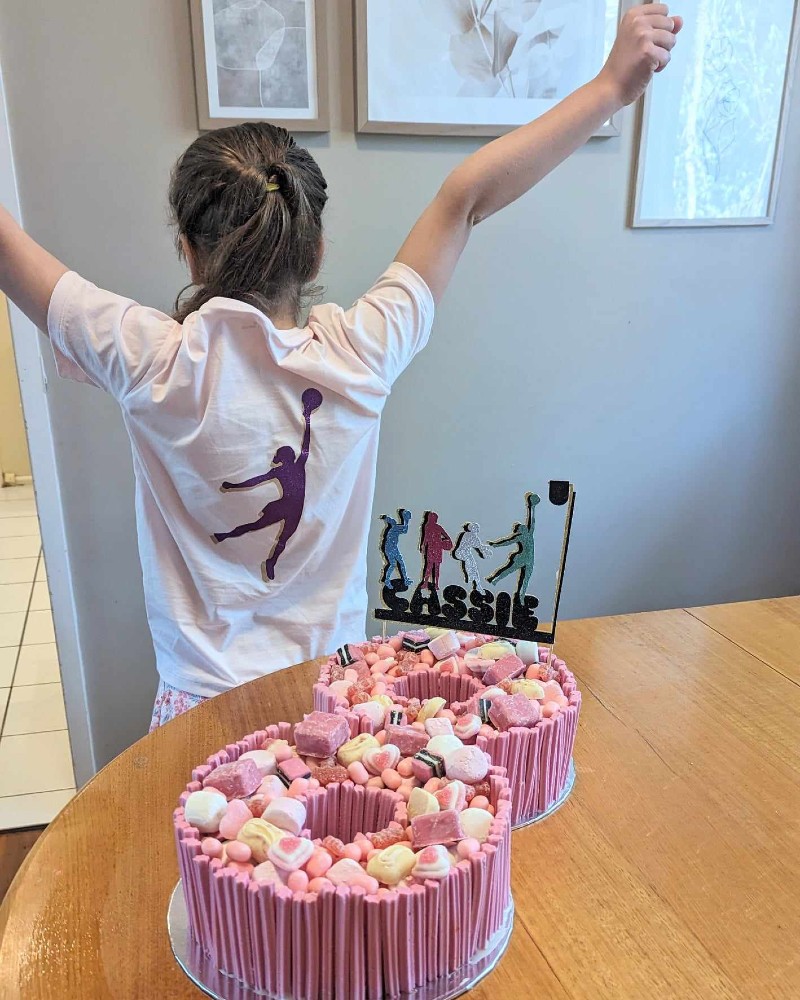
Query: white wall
{"x": 656, "y": 369}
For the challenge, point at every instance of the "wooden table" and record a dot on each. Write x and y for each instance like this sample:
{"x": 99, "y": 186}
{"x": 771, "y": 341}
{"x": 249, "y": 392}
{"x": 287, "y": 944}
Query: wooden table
{"x": 673, "y": 871}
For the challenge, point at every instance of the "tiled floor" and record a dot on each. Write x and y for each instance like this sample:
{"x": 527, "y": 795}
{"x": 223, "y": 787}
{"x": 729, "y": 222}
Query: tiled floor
{"x": 36, "y": 776}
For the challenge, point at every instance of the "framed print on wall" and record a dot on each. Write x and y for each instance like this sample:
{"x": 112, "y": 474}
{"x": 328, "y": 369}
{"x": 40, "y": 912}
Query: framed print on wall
{"x": 713, "y": 125}
{"x": 261, "y": 60}
{"x": 475, "y": 67}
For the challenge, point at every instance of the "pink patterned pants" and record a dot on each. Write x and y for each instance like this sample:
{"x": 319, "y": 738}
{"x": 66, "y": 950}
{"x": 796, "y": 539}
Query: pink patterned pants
{"x": 171, "y": 702}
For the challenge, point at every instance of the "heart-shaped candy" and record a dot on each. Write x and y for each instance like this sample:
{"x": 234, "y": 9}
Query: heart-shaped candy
{"x": 452, "y": 796}
{"x": 291, "y": 853}
{"x": 378, "y": 759}
{"x": 432, "y": 862}
{"x": 467, "y": 727}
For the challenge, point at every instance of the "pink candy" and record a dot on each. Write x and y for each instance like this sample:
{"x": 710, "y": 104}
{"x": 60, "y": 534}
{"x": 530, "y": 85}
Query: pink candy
{"x": 467, "y": 728}
{"x": 432, "y": 862}
{"x": 319, "y": 864}
{"x": 236, "y": 780}
{"x": 452, "y": 796}
{"x": 237, "y": 851}
{"x": 211, "y": 847}
{"x": 469, "y": 764}
{"x": 468, "y": 847}
{"x": 358, "y": 773}
{"x": 298, "y": 881}
{"x": 378, "y": 759}
{"x": 236, "y": 815}
{"x": 552, "y": 691}
{"x": 444, "y": 645}
{"x": 407, "y": 739}
{"x": 267, "y": 872}
{"x": 438, "y": 727}
{"x": 293, "y": 768}
{"x": 291, "y": 853}
{"x": 514, "y": 710}
{"x": 349, "y": 872}
{"x": 508, "y": 667}
{"x": 436, "y": 828}
{"x": 391, "y": 779}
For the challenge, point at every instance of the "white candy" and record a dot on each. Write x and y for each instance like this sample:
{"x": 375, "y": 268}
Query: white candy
{"x": 288, "y": 814}
{"x": 476, "y": 823}
{"x": 263, "y": 759}
{"x": 528, "y": 652}
{"x": 438, "y": 727}
{"x": 421, "y": 802}
{"x": 205, "y": 810}
{"x": 493, "y": 692}
{"x": 443, "y": 745}
{"x": 443, "y": 645}
{"x": 495, "y": 650}
{"x": 372, "y": 710}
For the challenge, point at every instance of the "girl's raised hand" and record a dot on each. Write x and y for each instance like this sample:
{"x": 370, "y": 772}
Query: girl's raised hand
{"x": 645, "y": 39}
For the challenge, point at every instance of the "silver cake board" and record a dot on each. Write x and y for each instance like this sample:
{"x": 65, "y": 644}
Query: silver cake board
{"x": 562, "y": 798}
{"x": 221, "y": 986}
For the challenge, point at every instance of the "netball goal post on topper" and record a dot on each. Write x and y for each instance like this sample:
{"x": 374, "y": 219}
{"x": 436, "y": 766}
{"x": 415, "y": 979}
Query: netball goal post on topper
{"x": 474, "y": 604}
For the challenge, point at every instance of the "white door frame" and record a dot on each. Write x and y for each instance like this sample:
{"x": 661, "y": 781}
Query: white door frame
{"x": 35, "y": 405}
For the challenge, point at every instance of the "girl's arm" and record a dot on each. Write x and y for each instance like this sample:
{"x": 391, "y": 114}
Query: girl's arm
{"x": 28, "y": 273}
{"x": 506, "y": 168}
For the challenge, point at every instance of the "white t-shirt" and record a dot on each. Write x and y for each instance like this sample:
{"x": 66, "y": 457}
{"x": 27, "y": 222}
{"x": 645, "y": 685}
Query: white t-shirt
{"x": 227, "y": 398}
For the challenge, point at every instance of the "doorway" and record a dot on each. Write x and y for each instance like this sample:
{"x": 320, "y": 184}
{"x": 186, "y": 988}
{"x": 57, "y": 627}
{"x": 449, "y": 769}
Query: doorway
{"x": 37, "y": 778}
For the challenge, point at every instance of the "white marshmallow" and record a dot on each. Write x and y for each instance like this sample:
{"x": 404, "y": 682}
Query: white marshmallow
{"x": 288, "y": 814}
{"x": 443, "y": 745}
{"x": 263, "y": 759}
{"x": 205, "y": 810}
{"x": 476, "y": 823}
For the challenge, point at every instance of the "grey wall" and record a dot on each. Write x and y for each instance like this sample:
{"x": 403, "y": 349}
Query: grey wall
{"x": 657, "y": 370}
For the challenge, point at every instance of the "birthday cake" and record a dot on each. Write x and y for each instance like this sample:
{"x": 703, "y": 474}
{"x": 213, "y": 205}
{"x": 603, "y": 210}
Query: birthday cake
{"x": 517, "y": 702}
{"x": 321, "y": 860}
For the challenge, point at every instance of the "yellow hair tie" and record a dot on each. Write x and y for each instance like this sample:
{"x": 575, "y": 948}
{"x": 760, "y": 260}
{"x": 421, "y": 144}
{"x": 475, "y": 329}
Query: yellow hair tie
{"x": 272, "y": 186}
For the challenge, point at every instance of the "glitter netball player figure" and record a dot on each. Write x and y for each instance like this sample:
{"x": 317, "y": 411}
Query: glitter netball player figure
{"x": 290, "y": 474}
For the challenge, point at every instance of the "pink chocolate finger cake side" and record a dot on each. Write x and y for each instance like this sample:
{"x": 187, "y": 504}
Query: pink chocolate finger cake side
{"x": 320, "y": 860}
{"x": 519, "y": 703}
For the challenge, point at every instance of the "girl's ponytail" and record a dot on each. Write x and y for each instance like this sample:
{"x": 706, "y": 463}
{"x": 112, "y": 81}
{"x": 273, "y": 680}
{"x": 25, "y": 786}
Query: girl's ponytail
{"x": 249, "y": 203}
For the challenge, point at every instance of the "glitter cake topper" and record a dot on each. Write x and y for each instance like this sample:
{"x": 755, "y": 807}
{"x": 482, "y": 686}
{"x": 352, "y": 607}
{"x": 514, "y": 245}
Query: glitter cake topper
{"x": 472, "y": 604}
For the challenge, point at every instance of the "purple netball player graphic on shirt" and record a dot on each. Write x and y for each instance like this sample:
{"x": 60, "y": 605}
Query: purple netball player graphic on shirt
{"x": 289, "y": 471}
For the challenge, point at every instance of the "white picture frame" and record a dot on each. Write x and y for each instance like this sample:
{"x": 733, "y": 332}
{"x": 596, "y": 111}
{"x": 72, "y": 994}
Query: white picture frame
{"x": 714, "y": 161}
{"x": 383, "y": 106}
{"x": 261, "y": 60}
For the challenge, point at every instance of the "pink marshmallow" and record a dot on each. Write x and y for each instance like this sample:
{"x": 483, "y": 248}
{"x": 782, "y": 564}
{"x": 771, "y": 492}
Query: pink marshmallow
{"x": 349, "y": 872}
{"x": 236, "y": 815}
